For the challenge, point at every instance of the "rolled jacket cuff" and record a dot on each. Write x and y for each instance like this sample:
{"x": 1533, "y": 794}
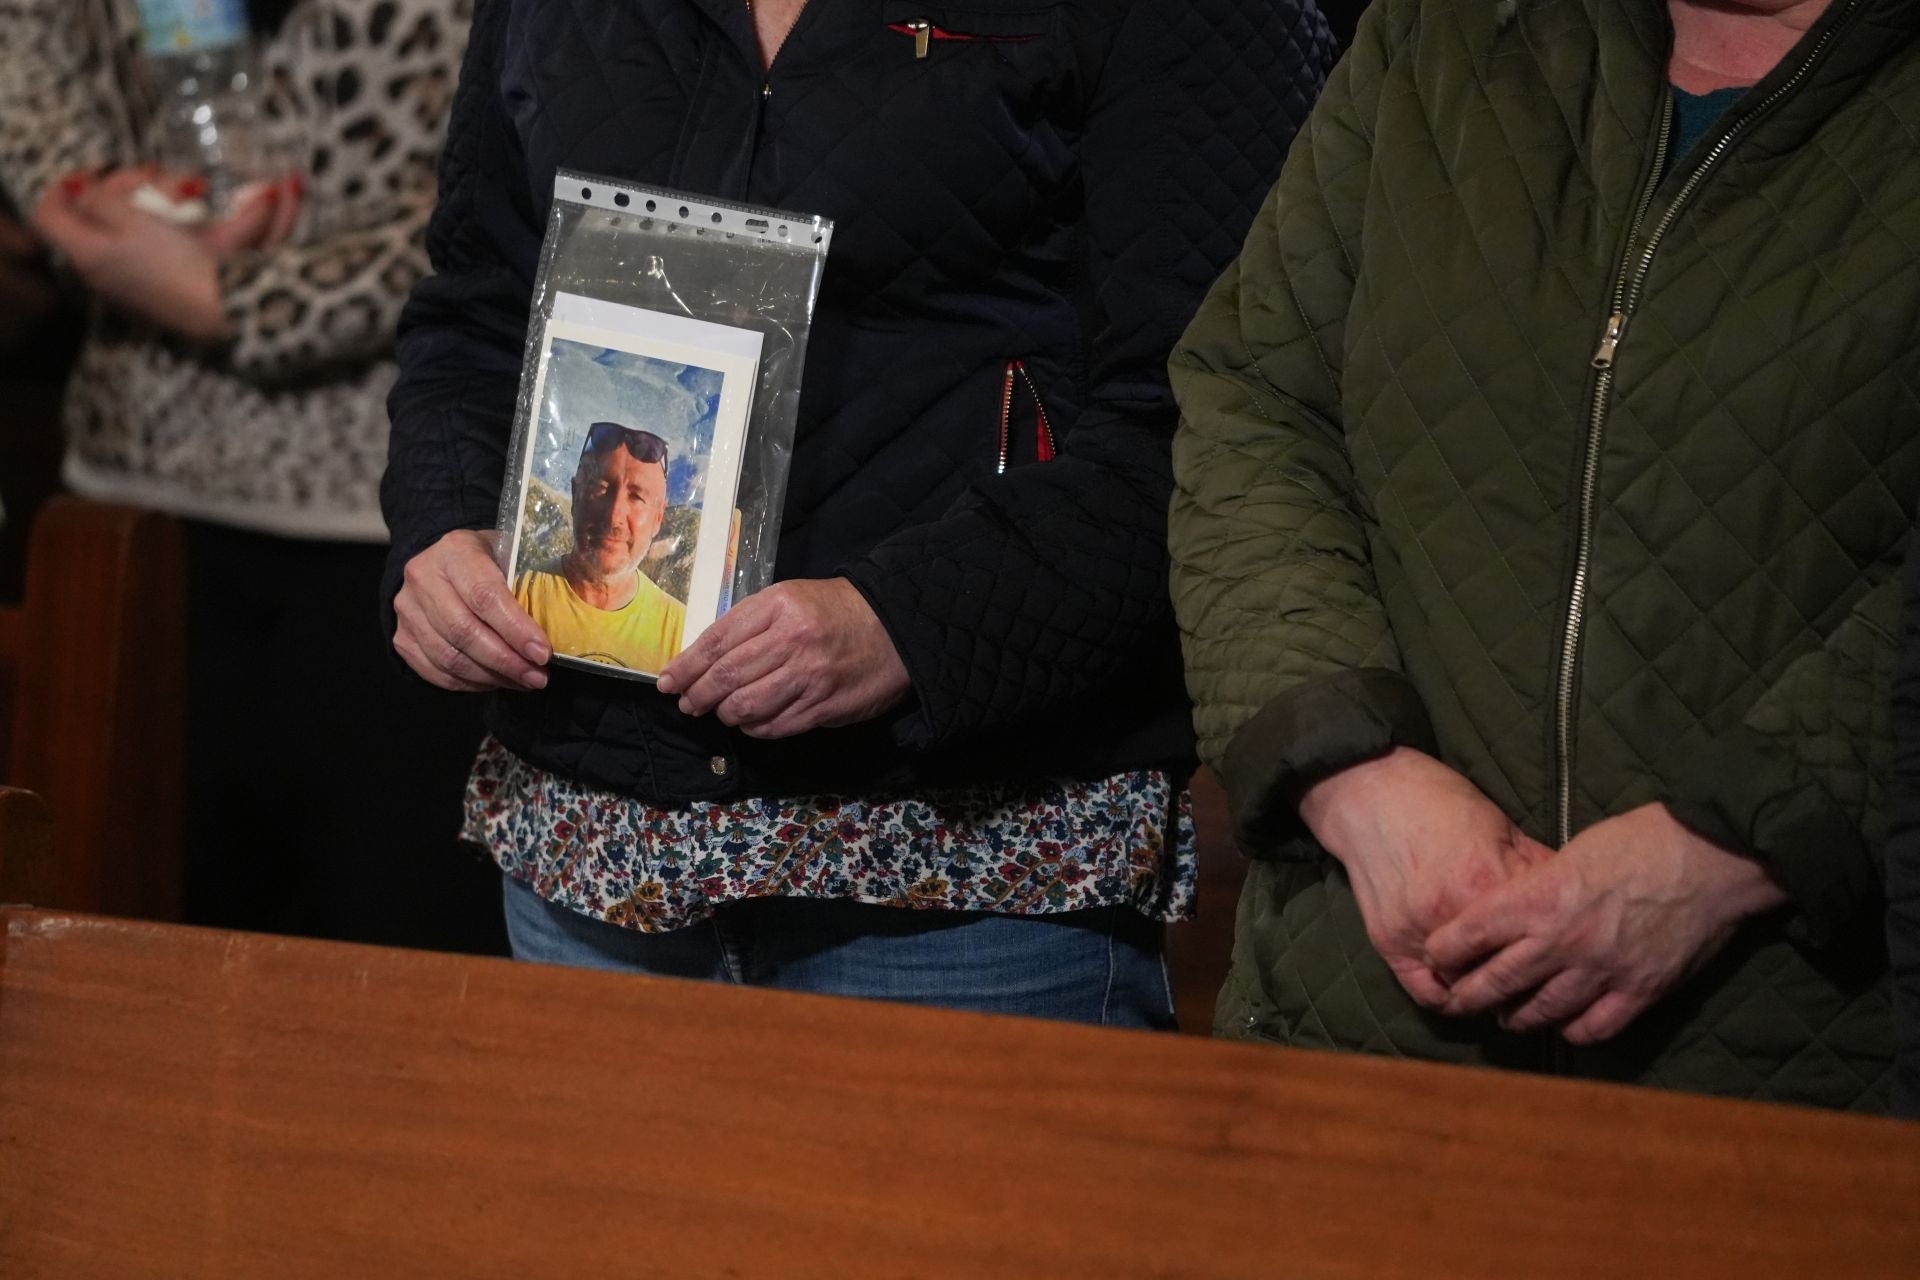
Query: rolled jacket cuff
{"x": 1310, "y": 731}
{"x": 1745, "y": 797}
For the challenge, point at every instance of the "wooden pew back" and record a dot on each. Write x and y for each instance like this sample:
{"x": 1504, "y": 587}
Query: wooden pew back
{"x": 26, "y": 846}
{"x": 92, "y": 669}
{"x": 194, "y": 1103}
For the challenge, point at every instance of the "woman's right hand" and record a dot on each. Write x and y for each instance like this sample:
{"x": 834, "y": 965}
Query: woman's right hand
{"x": 1420, "y": 843}
{"x": 166, "y": 275}
{"x": 460, "y": 627}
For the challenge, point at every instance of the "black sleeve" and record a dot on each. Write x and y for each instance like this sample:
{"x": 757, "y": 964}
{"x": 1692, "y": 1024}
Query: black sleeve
{"x": 464, "y": 328}
{"x": 1903, "y": 846}
{"x": 1042, "y": 585}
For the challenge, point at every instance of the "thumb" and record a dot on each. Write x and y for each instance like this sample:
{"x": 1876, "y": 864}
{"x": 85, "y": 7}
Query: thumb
{"x": 247, "y": 226}
{"x": 1481, "y": 929}
{"x": 742, "y": 622}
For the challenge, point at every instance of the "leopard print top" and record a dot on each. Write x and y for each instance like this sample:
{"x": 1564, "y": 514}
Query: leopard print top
{"x": 282, "y": 429}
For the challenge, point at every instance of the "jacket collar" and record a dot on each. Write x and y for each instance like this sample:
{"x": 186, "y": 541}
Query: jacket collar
{"x": 1859, "y": 33}
{"x": 733, "y": 17}
{"x": 1852, "y": 40}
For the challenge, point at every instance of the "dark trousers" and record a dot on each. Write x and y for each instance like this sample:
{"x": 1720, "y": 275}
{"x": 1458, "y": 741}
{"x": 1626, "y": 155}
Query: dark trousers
{"x": 324, "y": 785}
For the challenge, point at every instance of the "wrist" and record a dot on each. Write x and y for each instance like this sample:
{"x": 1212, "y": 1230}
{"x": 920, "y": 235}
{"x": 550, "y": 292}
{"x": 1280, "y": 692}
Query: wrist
{"x": 1738, "y": 881}
{"x": 1321, "y": 803}
{"x": 198, "y": 312}
{"x": 211, "y": 322}
{"x": 1328, "y": 805}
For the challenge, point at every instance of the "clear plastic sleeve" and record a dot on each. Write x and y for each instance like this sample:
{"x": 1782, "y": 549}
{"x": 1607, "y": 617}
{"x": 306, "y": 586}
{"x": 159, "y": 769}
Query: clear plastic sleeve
{"x": 654, "y": 429}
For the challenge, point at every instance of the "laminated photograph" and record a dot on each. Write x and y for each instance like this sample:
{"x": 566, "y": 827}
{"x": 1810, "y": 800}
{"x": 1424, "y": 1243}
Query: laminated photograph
{"x": 654, "y": 428}
{"x": 623, "y": 543}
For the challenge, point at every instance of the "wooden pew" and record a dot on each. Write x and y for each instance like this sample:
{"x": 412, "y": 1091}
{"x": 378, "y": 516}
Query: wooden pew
{"x": 26, "y": 847}
{"x": 191, "y": 1103}
{"x": 92, "y": 668}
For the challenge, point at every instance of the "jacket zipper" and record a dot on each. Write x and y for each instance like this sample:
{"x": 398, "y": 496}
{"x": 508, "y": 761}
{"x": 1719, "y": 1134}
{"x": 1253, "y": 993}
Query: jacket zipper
{"x": 1044, "y": 446}
{"x": 1629, "y": 281}
{"x": 766, "y": 74}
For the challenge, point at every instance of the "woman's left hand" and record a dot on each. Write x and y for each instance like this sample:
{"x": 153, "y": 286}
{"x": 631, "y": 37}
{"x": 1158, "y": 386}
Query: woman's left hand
{"x": 149, "y": 268}
{"x": 1589, "y": 938}
{"x": 805, "y": 654}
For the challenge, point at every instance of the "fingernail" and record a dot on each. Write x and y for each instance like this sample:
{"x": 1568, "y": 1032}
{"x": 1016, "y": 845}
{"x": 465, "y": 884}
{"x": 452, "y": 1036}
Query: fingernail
{"x": 73, "y": 184}
{"x": 686, "y": 708}
{"x": 535, "y": 680}
{"x": 192, "y": 188}
{"x": 295, "y": 185}
{"x": 667, "y": 684}
{"x": 537, "y": 652}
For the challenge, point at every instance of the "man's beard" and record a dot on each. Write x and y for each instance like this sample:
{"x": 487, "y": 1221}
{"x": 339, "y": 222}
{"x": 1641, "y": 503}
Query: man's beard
{"x": 606, "y": 557}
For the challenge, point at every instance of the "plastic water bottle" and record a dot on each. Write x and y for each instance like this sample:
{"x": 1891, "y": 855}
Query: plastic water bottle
{"x": 199, "y": 55}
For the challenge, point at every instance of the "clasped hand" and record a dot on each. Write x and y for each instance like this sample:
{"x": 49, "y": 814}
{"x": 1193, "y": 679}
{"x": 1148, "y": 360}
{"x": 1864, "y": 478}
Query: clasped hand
{"x": 1473, "y": 916}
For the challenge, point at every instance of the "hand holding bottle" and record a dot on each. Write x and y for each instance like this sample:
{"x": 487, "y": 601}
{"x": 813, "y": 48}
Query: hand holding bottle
{"x": 147, "y": 267}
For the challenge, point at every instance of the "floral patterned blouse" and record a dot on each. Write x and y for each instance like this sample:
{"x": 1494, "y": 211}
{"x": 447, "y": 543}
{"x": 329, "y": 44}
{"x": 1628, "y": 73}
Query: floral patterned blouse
{"x": 1059, "y": 846}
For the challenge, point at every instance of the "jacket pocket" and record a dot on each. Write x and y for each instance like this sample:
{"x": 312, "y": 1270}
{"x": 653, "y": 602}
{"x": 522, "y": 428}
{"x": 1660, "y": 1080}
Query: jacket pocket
{"x": 1021, "y": 408}
{"x": 926, "y": 26}
{"x": 925, "y": 34}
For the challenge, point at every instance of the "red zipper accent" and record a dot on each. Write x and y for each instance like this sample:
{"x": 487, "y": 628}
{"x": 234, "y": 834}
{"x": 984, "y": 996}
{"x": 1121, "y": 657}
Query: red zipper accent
{"x": 1044, "y": 446}
{"x": 1006, "y": 412}
{"x": 941, "y": 33}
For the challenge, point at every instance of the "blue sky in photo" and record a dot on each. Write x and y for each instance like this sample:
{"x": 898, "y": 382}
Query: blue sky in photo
{"x": 588, "y": 383}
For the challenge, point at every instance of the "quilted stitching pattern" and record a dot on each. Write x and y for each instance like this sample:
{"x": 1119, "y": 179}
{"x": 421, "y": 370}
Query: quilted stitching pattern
{"x": 1062, "y": 199}
{"x": 1176, "y": 121}
{"x": 1386, "y": 405}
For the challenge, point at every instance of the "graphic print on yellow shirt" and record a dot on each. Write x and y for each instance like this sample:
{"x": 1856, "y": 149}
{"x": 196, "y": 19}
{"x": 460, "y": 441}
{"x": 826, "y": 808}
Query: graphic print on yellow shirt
{"x": 641, "y": 636}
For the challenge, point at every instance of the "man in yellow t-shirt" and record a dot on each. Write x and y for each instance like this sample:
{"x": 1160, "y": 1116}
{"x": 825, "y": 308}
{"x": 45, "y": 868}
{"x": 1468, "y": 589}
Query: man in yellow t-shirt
{"x": 596, "y": 604}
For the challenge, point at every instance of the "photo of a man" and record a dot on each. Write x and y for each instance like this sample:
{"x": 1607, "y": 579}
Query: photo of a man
{"x": 595, "y": 603}
{"x": 621, "y": 527}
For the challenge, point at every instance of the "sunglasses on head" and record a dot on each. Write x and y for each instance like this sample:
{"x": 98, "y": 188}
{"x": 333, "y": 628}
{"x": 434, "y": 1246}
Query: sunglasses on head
{"x": 643, "y": 445}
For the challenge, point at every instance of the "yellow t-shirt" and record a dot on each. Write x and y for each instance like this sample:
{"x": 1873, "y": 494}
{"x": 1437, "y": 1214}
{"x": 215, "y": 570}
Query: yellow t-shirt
{"x": 643, "y": 635}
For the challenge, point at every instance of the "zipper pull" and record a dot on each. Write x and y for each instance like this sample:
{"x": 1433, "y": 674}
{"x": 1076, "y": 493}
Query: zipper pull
{"x": 922, "y": 35}
{"x": 1616, "y": 325}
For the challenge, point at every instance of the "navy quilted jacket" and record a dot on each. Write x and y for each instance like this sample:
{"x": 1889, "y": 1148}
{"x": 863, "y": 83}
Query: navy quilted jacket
{"x": 1056, "y": 182}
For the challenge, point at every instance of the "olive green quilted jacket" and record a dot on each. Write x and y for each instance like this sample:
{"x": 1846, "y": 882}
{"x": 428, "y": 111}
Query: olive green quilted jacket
{"x": 1586, "y": 467}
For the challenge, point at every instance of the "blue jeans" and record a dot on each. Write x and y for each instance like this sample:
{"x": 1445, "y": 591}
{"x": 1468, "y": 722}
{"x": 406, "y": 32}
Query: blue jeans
{"x": 1101, "y": 966}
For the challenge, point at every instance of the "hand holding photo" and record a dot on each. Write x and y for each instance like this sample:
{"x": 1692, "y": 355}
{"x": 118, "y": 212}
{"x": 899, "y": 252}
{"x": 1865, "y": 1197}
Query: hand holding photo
{"x": 621, "y": 547}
